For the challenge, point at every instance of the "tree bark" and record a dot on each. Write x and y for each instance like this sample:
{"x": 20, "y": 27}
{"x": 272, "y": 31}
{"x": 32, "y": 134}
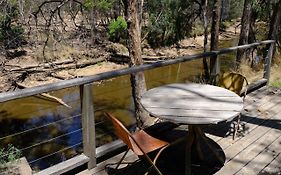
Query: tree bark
{"x": 225, "y": 9}
{"x": 205, "y": 21}
{"x": 275, "y": 22}
{"x": 134, "y": 45}
{"x": 244, "y": 32}
{"x": 214, "y": 62}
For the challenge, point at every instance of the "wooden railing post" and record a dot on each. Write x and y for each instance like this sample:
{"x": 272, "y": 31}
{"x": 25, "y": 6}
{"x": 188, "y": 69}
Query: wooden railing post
{"x": 88, "y": 124}
{"x": 267, "y": 63}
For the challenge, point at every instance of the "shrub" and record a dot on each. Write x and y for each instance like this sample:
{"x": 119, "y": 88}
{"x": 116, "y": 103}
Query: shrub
{"x": 9, "y": 154}
{"x": 117, "y": 29}
{"x": 11, "y": 34}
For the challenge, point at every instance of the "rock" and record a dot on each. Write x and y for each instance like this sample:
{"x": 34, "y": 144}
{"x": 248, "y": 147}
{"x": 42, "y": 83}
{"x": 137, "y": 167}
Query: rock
{"x": 17, "y": 167}
{"x": 117, "y": 48}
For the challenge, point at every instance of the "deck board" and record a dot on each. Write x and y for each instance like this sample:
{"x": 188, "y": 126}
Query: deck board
{"x": 257, "y": 150}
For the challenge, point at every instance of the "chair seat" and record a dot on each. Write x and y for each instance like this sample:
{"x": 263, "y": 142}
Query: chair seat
{"x": 140, "y": 142}
{"x": 146, "y": 142}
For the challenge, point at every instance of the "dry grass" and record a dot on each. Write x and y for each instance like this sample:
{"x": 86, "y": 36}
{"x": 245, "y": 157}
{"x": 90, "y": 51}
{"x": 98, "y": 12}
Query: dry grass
{"x": 257, "y": 73}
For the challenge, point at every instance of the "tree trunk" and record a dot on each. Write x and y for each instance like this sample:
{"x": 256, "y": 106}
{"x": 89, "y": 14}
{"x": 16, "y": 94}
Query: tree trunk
{"x": 93, "y": 24}
{"x": 134, "y": 46}
{"x": 205, "y": 21}
{"x": 214, "y": 62}
{"x": 244, "y": 32}
{"x": 225, "y": 9}
{"x": 275, "y": 22}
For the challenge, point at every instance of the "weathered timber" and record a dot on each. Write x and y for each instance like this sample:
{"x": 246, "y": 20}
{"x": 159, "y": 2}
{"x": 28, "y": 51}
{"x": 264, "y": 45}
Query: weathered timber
{"x": 46, "y": 96}
{"x": 257, "y": 150}
{"x": 88, "y": 124}
{"x": 65, "y": 166}
{"x": 107, "y": 75}
{"x": 54, "y": 67}
{"x": 268, "y": 61}
{"x": 254, "y": 86}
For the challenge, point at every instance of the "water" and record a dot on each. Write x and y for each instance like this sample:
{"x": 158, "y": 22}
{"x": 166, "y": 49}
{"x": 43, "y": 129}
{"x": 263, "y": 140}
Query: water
{"x": 54, "y": 131}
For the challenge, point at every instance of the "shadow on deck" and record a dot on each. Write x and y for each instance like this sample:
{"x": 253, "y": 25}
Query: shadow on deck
{"x": 255, "y": 150}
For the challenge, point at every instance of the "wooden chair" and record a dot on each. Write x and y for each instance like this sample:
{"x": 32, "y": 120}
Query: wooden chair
{"x": 140, "y": 142}
{"x": 237, "y": 83}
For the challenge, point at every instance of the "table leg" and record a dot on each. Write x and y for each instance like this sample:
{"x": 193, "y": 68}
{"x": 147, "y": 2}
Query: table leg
{"x": 189, "y": 143}
{"x": 195, "y": 138}
{"x": 201, "y": 135}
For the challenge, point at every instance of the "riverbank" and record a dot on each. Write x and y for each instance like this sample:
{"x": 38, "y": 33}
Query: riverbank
{"x": 70, "y": 62}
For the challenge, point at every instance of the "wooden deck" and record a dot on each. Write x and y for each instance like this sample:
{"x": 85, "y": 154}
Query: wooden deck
{"x": 256, "y": 149}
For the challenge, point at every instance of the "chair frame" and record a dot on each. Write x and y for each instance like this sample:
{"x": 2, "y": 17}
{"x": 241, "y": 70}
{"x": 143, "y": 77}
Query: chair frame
{"x": 241, "y": 93}
{"x": 114, "y": 121}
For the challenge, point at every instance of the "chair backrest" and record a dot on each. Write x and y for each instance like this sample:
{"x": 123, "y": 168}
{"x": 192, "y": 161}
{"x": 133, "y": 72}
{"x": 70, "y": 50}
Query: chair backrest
{"x": 232, "y": 81}
{"x": 120, "y": 130}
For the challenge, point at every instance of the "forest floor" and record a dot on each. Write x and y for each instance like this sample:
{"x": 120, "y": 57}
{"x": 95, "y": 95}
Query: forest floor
{"x": 71, "y": 62}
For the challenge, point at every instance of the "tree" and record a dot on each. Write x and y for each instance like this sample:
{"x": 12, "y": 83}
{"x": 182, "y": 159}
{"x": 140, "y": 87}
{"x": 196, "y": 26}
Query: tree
{"x": 134, "y": 45}
{"x": 245, "y": 28}
{"x": 11, "y": 33}
{"x": 204, "y": 4}
{"x": 214, "y": 62}
{"x": 275, "y": 22}
{"x": 169, "y": 21}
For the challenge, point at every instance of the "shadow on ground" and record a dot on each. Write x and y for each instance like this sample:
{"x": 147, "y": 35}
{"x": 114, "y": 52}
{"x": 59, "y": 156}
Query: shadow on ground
{"x": 172, "y": 160}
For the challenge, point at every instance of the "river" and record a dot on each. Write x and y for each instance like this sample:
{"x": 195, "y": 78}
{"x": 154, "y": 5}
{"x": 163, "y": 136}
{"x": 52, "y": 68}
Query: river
{"x": 48, "y": 133}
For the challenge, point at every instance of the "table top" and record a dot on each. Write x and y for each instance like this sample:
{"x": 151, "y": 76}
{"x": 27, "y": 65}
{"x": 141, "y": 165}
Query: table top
{"x": 192, "y": 103}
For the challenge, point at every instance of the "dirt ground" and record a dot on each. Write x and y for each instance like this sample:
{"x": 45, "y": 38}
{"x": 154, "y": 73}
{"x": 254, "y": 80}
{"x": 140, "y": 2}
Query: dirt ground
{"x": 30, "y": 70}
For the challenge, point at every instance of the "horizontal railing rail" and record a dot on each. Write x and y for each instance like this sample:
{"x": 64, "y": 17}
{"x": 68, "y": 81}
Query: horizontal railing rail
{"x": 90, "y": 152}
{"x": 111, "y": 74}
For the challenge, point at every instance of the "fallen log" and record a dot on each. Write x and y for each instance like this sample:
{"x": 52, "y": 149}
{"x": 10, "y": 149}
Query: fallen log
{"x": 119, "y": 58}
{"x": 41, "y": 69}
{"x": 43, "y": 65}
{"x": 46, "y": 96}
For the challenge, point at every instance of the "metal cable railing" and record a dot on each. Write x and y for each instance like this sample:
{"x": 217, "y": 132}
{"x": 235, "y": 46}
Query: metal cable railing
{"x": 62, "y": 150}
{"x": 87, "y": 101}
{"x": 39, "y": 127}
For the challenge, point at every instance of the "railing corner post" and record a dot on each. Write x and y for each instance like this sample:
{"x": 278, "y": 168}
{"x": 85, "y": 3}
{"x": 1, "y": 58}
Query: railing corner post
{"x": 88, "y": 124}
{"x": 267, "y": 63}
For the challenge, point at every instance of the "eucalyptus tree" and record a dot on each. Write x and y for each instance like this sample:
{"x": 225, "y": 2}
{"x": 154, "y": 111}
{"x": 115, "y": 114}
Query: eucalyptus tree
{"x": 169, "y": 21}
{"x": 11, "y": 31}
{"x": 245, "y": 28}
{"x": 134, "y": 45}
{"x": 214, "y": 45}
{"x": 275, "y": 21}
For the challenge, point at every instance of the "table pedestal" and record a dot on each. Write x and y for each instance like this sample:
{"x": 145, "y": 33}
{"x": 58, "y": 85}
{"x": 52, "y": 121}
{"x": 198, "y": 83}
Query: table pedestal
{"x": 196, "y": 141}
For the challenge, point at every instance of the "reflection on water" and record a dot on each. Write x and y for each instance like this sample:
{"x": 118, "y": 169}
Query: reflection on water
{"x": 48, "y": 133}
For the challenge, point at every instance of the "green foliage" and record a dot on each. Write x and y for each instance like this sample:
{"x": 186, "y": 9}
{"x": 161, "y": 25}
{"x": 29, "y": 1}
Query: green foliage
{"x": 276, "y": 84}
{"x": 9, "y": 154}
{"x": 169, "y": 21}
{"x": 117, "y": 29}
{"x": 88, "y": 4}
{"x": 11, "y": 34}
{"x": 197, "y": 30}
{"x": 226, "y": 24}
{"x": 103, "y": 5}
{"x": 236, "y": 9}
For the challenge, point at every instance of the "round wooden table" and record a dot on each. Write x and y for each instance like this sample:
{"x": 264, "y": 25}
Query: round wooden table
{"x": 194, "y": 105}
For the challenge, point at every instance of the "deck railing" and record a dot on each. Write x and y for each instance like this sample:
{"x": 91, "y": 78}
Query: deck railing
{"x": 90, "y": 152}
